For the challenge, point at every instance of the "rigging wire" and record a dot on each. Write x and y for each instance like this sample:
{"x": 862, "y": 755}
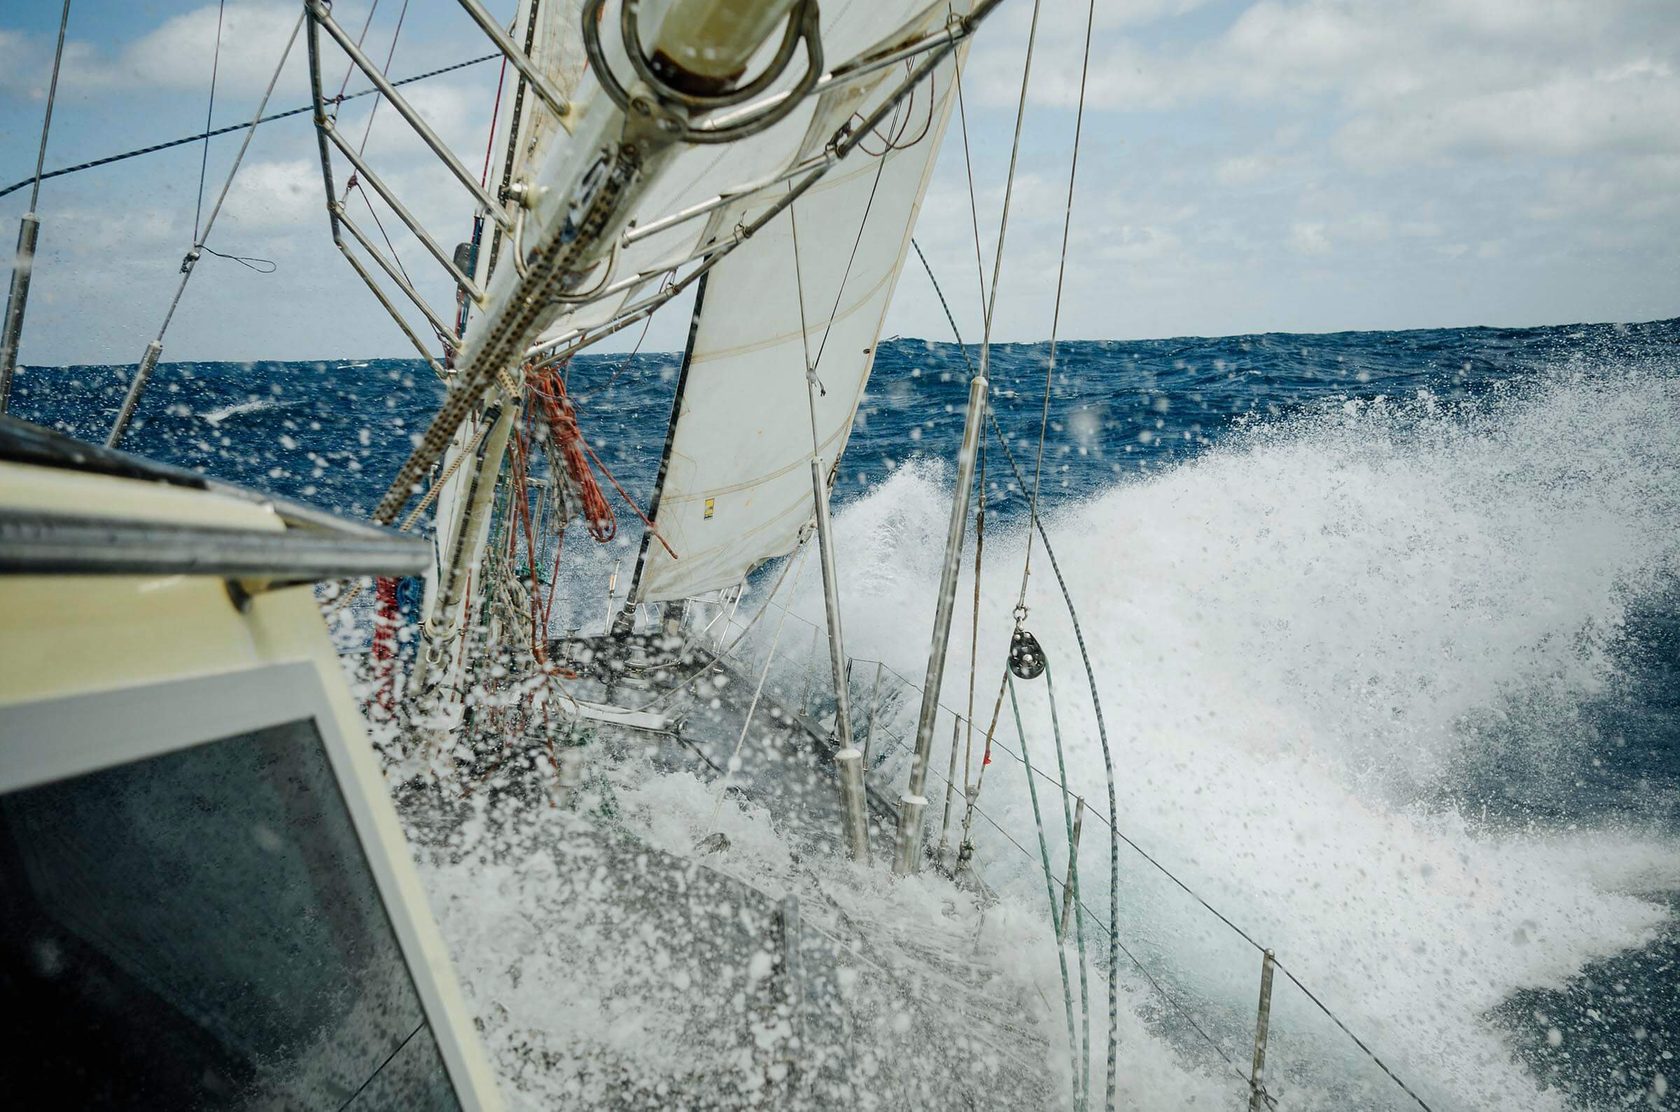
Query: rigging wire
{"x": 209, "y": 112}
{"x": 353, "y": 182}
{"x": 46, "y": 122}
{"x": 197, "y": 136}
{"x": 1154, "y": 982}
{"x": 1081, "y": 1078}
{"x": 1055, "y": 567}
{"x": 1073, "y": 870}
{"x": 973, "y": 205}
{"x": 143, "y": 371}
{"x": 752, "y": 707}
{"x": 17, "y": 297}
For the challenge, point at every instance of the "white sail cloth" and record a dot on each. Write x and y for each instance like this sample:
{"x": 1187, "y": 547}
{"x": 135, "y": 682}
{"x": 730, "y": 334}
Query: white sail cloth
{"x": 851, "y": 29}
{"x": 736, "y": 482}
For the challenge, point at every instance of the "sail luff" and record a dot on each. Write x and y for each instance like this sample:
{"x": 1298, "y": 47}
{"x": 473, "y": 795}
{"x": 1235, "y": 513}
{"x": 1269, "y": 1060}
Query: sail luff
{"x": 735, "y": 455}
{"x": 626, "y": 617}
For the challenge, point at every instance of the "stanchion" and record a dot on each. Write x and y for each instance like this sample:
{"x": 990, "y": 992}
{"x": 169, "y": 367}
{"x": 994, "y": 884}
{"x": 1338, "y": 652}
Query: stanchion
{"x": 1257, "y": 1078}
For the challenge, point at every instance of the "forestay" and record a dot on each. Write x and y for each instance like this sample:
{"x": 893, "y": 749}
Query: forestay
{"x": 735, "y": 484}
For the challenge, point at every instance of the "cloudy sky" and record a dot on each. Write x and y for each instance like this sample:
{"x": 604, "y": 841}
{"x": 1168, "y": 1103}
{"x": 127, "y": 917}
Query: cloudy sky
{"x": 1287, "y": 165}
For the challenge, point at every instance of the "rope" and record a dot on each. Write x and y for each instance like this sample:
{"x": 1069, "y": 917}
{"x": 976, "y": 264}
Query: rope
{"x": 209, "y": 112}
{"x": 629, "y": 501}
{"x": 550, "y": 393}
{"x": 1073, "y": 874}
{"x": 46, "y": 122}
{"x": 186, "y": 139}
{"x": 1080, "y": 1081}
{"x": 1154, "y": 983}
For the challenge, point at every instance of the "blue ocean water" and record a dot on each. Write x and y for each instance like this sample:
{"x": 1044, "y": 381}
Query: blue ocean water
{"x": 1524, "y": 481}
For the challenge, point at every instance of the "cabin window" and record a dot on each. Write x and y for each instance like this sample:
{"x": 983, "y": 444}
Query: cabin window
{"x": 201, "y": 929}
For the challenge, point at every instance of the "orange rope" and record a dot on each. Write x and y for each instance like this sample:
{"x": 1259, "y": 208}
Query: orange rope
{"x": 550, "y": 392}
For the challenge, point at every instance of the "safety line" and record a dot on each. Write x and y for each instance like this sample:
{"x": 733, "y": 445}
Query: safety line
{"x": 1038, "y": 525}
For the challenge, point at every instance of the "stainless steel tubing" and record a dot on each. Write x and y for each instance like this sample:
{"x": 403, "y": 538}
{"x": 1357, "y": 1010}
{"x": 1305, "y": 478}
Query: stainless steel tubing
{"x": 911, "y": 805}
{"x": 29, "y": 230}
{"x": 853, "y": 815}
{"x": 1257, "y": 1078}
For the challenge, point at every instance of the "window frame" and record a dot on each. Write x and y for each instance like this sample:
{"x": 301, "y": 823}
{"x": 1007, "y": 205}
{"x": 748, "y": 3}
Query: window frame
{"x": 62, "y": 737}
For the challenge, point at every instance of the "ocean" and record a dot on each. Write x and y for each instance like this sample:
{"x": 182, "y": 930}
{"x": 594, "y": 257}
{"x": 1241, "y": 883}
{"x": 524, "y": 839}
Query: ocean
{"x": 1386, "y": 627}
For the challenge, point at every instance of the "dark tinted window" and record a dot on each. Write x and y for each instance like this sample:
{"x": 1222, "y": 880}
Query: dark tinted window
{"x": 201, "y": 929}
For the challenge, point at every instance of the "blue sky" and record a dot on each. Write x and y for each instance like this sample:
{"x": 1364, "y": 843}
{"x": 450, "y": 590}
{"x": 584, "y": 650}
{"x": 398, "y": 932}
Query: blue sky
{"x": 1288, "y": 165}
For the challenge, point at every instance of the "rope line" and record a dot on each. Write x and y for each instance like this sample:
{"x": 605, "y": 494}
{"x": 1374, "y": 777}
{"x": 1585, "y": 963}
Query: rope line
{"x": 186, "y": 139}
{"x": 1081, "y": 1079}
{"x": 1154, "y": 982}
{"x": 752, "y": 707}
{"x": 1038, "y": 526}
{"x": 1073, "y": 872}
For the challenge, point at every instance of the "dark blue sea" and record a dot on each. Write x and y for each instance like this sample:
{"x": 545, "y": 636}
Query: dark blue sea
{"x": 1388, "y": 623}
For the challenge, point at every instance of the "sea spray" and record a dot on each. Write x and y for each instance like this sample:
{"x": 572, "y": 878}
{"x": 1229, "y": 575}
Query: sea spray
{"x": 1302, "y": 635}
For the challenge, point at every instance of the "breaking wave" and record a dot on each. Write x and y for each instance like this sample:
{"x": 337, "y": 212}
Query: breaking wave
{"x": 1340, "y": 656}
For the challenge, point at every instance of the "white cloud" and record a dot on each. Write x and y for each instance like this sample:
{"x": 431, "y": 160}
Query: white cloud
{"x": 282, "y": 194}
{"x": 175, "y": 56}
{"x": 1404, "y": 80}
{"x": 1309, "y": 239}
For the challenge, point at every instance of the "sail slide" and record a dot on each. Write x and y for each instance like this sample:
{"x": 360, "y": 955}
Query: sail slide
{"x": 735, "y": 484}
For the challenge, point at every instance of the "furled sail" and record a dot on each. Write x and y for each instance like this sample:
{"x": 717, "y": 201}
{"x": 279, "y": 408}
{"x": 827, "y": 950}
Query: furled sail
{"x": 657, "y": 240}
{"x": 809, "y": 289}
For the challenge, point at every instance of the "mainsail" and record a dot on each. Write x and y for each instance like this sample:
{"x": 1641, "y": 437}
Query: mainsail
{"x": 809, "y": 290}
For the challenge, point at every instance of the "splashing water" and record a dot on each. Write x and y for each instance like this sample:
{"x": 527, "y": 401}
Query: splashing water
{"x": 1336, "y": 653}
{"x": 1385, "y": 626}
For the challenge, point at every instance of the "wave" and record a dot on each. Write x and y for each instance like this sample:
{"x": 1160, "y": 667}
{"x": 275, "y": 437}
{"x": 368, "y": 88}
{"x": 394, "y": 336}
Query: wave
{"x": 238, "y": 409}
{"x": 1321, "y": 645}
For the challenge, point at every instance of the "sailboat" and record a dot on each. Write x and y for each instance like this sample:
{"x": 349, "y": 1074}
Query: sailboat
{"x": 212, "y": 830}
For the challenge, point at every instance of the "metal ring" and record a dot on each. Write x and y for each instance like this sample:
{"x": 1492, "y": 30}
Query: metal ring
{"x": 630, "y": 28}
{"x": 803, "y": 23}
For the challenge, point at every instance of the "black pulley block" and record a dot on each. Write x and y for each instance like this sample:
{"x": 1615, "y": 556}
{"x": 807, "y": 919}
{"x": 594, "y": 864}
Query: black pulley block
{"x": 1026, "y": 658}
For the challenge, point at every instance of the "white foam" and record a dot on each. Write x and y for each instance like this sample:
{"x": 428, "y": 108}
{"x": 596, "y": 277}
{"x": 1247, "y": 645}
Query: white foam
{"x": 1299, "y": 637}
{"x": 235, "y": 409}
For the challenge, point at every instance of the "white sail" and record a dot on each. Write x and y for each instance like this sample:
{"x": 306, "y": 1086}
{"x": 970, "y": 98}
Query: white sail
{"x": 698, "y": 174}
{"x": 735, "y": 486}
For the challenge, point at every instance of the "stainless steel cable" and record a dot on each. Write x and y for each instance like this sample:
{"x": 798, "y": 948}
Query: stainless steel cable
{"x": 209, "y": 113}
{"x": 52, "y": 97}
{"x": 143, "y": 371}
